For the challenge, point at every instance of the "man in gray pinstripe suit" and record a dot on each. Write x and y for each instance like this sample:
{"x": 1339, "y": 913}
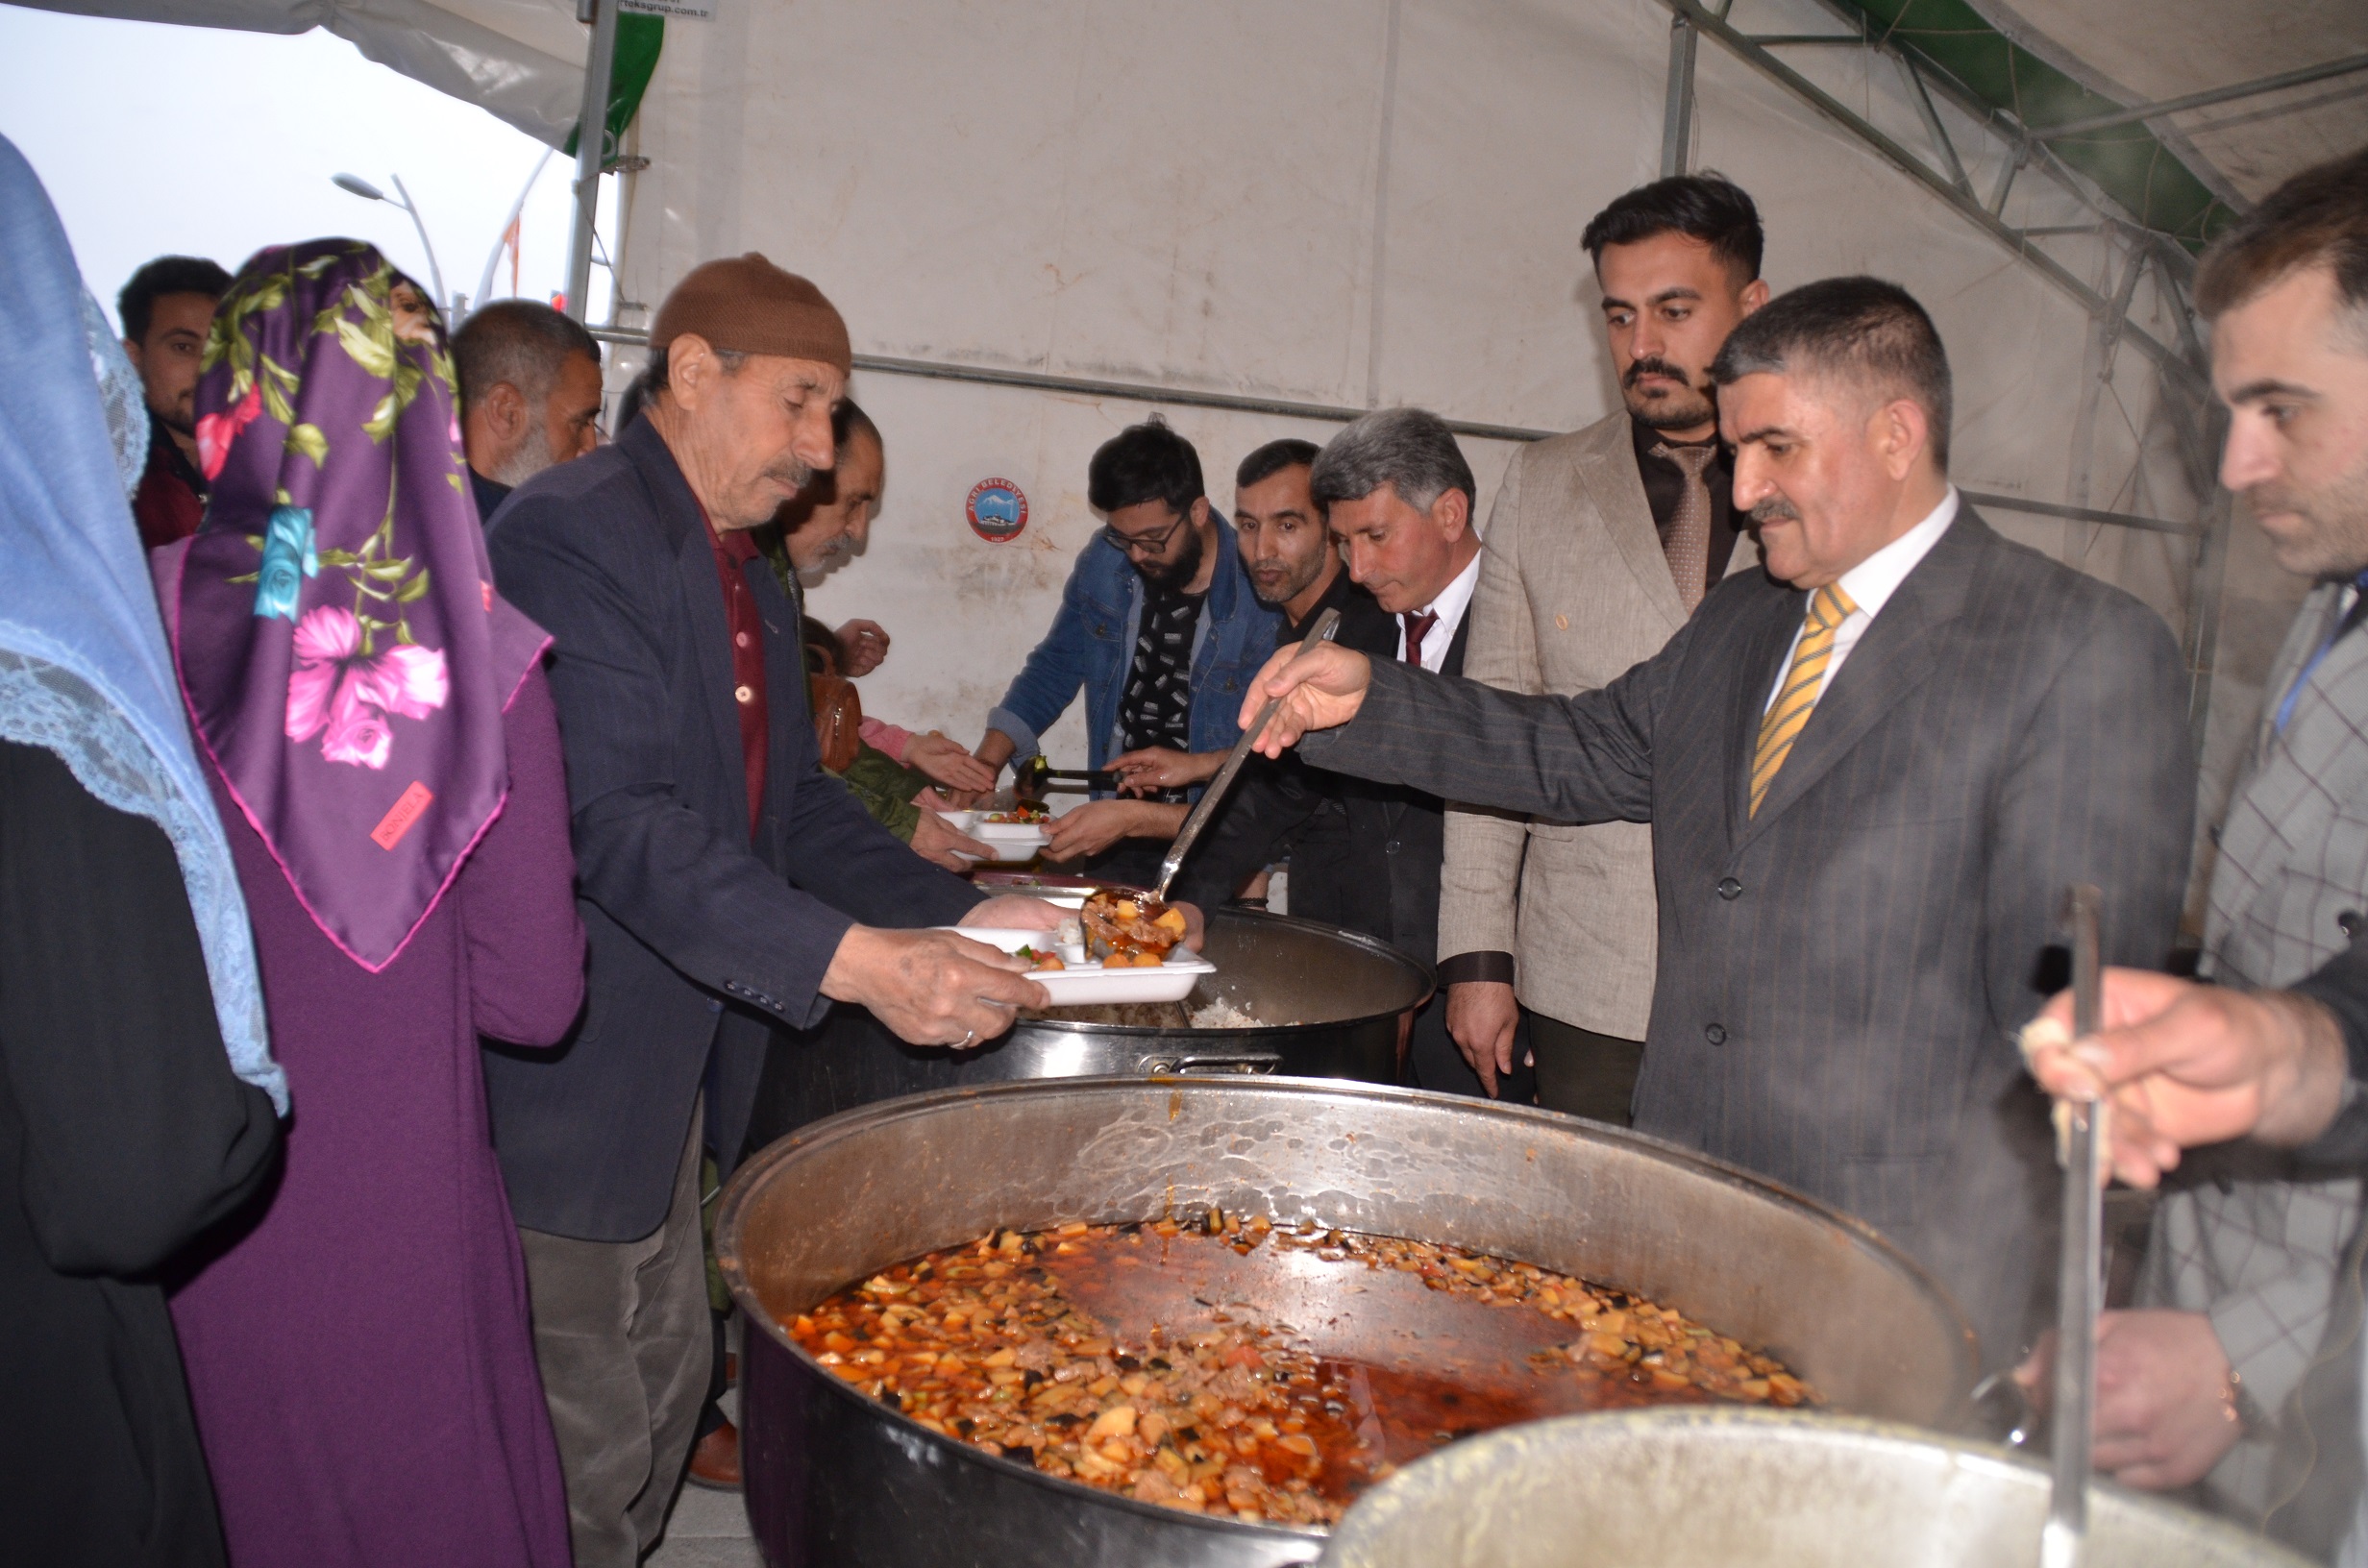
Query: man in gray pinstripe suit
{"x": 1870, "y": 771}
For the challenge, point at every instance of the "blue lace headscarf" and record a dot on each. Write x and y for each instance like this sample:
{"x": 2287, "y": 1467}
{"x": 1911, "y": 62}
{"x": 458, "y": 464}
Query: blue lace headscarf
{"x": 84, "y": 668}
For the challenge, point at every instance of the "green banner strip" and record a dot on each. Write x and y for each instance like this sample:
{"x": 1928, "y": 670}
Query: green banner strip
{"x": 639, "y": 41}
{"x": 2128, "y": 163}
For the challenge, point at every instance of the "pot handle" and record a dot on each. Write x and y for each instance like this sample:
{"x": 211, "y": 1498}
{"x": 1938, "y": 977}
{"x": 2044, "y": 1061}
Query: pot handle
{"x": 1168, "y": 1066}
{"x": 2002, "y": 1414}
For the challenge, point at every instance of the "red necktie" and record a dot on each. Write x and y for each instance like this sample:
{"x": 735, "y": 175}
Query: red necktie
{"x": 1417, "y": 626}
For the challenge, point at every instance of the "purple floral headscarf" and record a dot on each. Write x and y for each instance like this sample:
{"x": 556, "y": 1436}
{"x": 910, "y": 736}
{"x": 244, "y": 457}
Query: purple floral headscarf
{"x": 345, "y": 659}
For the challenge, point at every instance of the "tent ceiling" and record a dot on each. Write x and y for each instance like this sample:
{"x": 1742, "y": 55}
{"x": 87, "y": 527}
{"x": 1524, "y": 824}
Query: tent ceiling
{"x": 2147, "y": 51}
{"x": 521, "y": 60}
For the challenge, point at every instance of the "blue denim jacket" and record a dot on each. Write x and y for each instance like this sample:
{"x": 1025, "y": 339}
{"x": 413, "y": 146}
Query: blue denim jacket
{"x": 1092, "y": 644}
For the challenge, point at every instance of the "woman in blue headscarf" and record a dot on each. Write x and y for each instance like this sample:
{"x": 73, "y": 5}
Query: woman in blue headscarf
{"x": 138, "y": 1094}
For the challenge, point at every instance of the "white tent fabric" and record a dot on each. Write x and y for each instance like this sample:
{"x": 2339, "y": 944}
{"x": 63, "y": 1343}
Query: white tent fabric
{"x": 1342, "y": 202}
{"x": 2151, "y": 51}
{"x": 1350, "y": 203}
{"x": 520, "y": 60}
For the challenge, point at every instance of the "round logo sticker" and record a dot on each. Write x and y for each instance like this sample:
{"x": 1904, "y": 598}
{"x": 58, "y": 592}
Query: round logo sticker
{"x": 998, "y": 510}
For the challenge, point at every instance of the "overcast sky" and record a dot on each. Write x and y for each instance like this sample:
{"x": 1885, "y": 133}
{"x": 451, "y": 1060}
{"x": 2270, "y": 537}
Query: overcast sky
{"x": 153, "y": 138}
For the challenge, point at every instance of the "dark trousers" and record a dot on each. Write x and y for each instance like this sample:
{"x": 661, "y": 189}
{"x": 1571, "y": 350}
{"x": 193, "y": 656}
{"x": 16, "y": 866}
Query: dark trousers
{"x": 1582, "y": 1072}
{"x": 1434, "y": 1062}
{"x": 625, "y": 1342}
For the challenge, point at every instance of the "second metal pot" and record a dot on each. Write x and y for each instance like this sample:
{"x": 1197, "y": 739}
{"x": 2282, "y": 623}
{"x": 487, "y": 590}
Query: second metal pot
{"x": 1714, "y": 1488}
{"x": 1333, "y": 998}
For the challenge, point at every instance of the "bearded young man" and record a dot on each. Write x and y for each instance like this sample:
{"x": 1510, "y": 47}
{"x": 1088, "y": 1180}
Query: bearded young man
{"x": 166, "y": 311}
{"x": 1159, "y": 628}
{"x": 1600, "y": 545}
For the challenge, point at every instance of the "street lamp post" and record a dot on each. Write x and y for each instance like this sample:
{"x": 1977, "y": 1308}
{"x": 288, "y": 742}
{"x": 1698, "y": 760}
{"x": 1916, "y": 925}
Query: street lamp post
{"x": 355, "y": 184}
{"x": 484, "y": 282}
{"x": 591, "y": 137}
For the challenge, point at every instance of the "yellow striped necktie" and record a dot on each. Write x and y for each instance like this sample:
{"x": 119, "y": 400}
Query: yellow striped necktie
{"x": 1781, "y": 723}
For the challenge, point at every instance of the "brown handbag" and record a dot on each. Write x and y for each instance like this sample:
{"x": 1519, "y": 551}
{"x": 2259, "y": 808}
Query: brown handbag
{"x": 838, "y": 719}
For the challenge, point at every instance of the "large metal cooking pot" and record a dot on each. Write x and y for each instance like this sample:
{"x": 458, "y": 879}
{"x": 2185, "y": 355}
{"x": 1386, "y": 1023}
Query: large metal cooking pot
{"x": 1724, "y": 1488}
{"x": 836, "y": 1478}
{"x": 1334, "y": 998}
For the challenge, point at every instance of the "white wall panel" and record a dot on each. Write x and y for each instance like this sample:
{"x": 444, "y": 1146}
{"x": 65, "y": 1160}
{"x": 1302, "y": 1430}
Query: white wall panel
{"x": 1195, "y": 196}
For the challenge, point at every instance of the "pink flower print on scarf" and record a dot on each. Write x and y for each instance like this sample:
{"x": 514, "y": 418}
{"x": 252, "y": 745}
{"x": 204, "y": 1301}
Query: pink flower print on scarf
{"x": 338, "y": 688}
{"x": 217, "y": 432}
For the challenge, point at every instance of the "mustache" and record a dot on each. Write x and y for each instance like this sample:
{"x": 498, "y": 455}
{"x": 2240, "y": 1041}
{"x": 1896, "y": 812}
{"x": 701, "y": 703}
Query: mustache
{"x": 792, "y": 474}
{"x": 1653, "y": 365}
{"x": 1775, "y": 508}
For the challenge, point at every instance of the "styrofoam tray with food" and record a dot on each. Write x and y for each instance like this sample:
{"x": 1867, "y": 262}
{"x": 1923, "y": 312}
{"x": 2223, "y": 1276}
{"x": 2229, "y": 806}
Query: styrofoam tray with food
{"x": 1014, "y": 835}
{"x": 1139, "y": 956}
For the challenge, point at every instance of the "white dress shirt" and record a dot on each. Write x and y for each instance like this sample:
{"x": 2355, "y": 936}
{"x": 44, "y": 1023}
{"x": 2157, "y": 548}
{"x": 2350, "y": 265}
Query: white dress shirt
{"x": 1449, "y": 606}
{"x": 1870, "y": 585}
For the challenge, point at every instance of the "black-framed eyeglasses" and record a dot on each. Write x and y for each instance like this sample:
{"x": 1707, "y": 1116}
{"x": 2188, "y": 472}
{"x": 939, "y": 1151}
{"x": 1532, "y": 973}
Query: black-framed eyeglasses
{"x": 1148, "y": 544}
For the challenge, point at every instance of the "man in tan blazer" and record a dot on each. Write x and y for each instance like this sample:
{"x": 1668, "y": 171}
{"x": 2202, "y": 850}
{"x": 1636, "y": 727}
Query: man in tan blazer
{"x": 1599, "y": 545}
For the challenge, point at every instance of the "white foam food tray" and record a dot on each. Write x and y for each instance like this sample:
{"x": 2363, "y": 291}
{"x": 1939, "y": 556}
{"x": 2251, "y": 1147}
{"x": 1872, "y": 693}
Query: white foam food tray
{"x": 1084, "y": 983}
{"x": 1011, "y": 841}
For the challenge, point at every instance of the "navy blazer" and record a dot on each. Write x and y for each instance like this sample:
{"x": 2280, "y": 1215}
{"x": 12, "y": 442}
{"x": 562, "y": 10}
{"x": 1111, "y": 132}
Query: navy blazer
{"x": 698, "y": 940}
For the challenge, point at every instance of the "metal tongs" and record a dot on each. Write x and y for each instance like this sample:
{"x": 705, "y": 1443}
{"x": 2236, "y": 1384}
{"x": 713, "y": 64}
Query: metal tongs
{"x": 2080, "y": 1271}
{"x": 1035, "y": 778}
{"x": 1326, "y": 625}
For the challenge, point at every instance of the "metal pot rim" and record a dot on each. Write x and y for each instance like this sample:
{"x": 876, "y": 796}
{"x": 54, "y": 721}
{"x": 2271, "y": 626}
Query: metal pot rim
{"x": 1838, "y": 1429}
{"x": 861, "y": 1120}
{"x": 853, "y": 1122}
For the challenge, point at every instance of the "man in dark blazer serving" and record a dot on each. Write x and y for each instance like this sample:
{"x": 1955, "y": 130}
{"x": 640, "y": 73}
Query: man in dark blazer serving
{"x": 1871, "y": 771}
{"x": 1394, "y": 492}
{"x": 727, "y": 886}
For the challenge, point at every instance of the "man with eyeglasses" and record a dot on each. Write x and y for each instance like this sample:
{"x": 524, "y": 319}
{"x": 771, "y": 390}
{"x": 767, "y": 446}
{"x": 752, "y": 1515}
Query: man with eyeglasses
{"x": 530, "y": 395}
{"x": 1160, "y": 627}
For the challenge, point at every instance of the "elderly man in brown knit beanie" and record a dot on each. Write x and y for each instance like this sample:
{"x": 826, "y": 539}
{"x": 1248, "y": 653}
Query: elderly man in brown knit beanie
{"x": 728, "y": 888}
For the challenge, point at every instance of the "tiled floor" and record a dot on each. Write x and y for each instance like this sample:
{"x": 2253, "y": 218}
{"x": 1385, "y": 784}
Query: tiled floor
{"x": 709, "y": 1529}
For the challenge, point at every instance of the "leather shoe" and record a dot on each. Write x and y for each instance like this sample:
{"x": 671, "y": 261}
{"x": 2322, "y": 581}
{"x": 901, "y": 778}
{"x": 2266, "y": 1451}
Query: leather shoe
{"x": 716, "y": 1461}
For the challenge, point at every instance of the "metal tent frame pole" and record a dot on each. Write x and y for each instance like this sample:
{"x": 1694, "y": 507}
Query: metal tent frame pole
{"x": 591, "y": 145}
{"x": 1983, "y": 218}
{"x": 2308, "y": 74}
{"x": 2182, "y": 367}
{"x": 1246, "y": 403}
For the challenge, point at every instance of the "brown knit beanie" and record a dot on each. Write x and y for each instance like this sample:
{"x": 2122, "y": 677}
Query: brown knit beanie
{"x": 749, "y": 305}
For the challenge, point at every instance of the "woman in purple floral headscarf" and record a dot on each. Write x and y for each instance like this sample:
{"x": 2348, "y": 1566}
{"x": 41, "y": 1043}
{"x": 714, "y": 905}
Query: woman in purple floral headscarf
{"x": 387, "y": 760}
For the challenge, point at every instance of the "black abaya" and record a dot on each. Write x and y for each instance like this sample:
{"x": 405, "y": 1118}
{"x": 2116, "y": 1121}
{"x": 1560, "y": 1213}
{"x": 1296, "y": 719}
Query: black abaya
{"x": 123, "y": 1134}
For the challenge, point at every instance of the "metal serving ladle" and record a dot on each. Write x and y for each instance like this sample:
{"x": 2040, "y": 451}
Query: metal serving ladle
{"x": 2080, "y": 1272}
{"x": 1327, "y": 625}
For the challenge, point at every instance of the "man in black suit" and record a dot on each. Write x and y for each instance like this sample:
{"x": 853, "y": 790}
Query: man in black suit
{"x": 1399, "y": 562}
{"x": 1870, "y": 771}
{"x": 727, "y": 886}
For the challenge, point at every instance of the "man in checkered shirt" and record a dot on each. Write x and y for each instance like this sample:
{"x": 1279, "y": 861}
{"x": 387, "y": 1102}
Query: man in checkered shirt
{"x": 2242, "y": 1375}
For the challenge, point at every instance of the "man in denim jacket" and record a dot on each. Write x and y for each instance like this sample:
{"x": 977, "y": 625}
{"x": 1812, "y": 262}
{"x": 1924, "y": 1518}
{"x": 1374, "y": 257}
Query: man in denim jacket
{"x": 1160, "y": 626}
